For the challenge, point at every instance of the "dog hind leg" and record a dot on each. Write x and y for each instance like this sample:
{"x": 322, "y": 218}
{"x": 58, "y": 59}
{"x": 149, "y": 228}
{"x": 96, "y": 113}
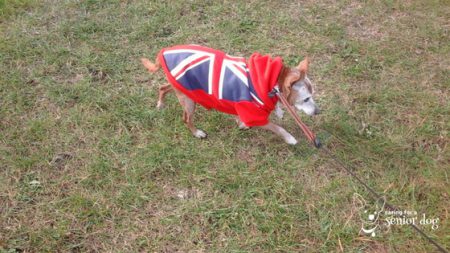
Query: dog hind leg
{"x": 241, "y": 124}
{"x": 163, "y": 90}
{"x": 188, "y": 114}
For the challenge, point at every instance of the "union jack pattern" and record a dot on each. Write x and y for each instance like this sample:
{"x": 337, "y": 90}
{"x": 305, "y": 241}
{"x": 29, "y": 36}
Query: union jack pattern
{"x": 195, "y": 70}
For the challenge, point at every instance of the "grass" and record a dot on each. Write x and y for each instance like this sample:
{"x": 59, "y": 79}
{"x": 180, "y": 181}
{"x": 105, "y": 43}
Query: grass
{"x": 88, "y": 164}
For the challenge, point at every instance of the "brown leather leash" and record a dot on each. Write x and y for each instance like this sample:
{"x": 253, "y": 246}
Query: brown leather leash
{"x": 316, "y": 143}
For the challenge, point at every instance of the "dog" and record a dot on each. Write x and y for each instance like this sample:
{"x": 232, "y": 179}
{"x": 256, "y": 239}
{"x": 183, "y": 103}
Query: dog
{"x": 233, "y": 85}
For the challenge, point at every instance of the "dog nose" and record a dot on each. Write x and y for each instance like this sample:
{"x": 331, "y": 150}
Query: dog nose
{"x": 316, "y": 111}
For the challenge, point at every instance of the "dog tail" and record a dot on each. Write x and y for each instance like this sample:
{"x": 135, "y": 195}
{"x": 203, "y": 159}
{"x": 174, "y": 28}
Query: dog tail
{"x": 152, "y": 67}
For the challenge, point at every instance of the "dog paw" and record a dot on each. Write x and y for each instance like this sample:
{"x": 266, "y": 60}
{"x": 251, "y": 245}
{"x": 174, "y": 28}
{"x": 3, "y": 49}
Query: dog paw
{"x": 160, "y": 105}
{"x": 242, "y": 126}
{"x": 200, "y": 134}
{"x": 291, "y": 140}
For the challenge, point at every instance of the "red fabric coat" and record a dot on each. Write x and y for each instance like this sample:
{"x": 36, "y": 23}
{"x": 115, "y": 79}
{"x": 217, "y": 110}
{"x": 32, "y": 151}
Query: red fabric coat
{"x": 229, "y": 84}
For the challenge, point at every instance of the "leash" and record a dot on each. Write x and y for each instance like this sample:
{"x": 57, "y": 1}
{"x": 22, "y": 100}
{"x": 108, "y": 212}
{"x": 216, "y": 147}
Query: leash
{"x": 316, "y": 143}
{"x": 309, "y": 134}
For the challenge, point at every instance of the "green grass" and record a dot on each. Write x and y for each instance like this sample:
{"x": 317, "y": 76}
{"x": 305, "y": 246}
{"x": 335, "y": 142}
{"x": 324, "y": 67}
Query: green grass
{"x": 71, "y": 83}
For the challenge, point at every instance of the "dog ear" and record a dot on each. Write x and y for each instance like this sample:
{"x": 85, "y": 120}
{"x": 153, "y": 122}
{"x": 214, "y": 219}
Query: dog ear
{"x": 303, "y": 67}
{"x": 289, "y": 80}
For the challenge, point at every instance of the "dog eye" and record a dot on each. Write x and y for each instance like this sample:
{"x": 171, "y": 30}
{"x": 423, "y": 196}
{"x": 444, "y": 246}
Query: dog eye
{"x": 306, "y": 100}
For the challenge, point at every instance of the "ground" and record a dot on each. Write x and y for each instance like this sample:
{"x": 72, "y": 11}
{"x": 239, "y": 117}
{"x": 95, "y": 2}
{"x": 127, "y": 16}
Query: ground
{"x": 87, "y": 163}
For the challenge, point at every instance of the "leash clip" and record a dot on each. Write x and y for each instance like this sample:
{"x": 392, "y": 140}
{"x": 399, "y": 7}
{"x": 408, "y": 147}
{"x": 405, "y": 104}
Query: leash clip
{"x": 274, "y": 92}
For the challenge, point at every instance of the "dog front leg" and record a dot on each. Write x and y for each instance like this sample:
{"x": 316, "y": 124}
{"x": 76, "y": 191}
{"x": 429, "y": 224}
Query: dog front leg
{"x": 287, "y": 137}
{"x": 278, "y": 111}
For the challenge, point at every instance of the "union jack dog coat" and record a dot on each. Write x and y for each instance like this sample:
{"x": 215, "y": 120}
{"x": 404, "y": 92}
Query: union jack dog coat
{"x": 229, "y": 84}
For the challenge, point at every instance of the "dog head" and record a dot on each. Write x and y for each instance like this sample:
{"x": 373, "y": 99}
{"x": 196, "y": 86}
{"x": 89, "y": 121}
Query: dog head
{"x": 298, "y": 89}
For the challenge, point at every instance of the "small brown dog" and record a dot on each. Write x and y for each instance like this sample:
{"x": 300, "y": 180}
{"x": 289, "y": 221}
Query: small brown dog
{"x": 233, "y": 85}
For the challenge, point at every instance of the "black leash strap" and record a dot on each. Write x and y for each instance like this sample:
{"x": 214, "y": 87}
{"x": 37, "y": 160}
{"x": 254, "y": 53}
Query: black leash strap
{"x": 379, "y": 197}
{"x": 316, "y": 143}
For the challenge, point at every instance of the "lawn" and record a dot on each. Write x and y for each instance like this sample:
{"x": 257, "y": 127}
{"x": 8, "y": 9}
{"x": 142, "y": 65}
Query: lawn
{"x": 88, "y": 164}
